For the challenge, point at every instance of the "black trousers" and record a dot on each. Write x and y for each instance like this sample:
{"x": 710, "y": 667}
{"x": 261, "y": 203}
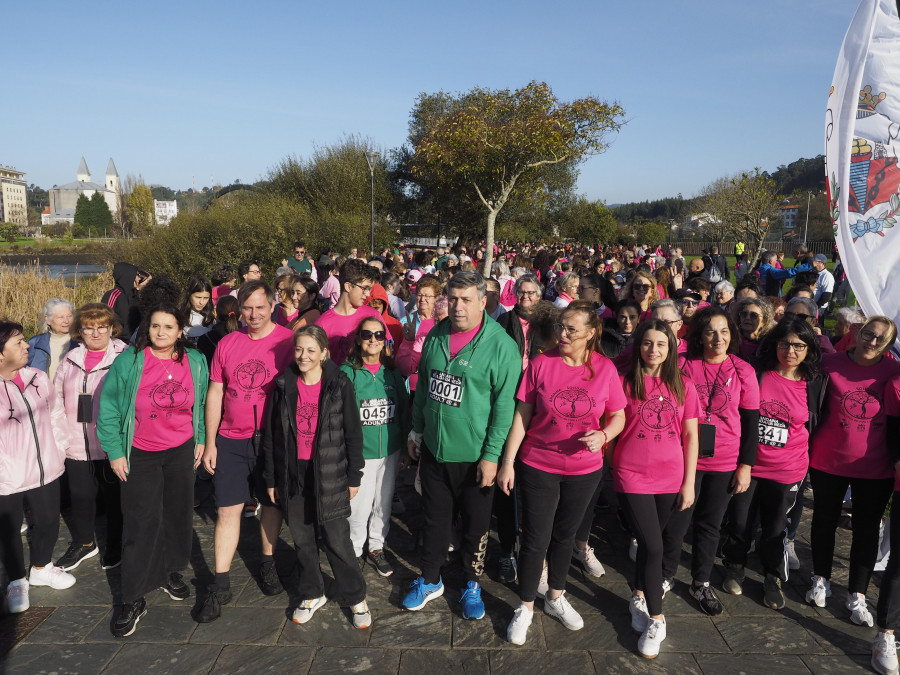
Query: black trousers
{"x": 711, "y": 497}
{"x": 796, "y": 513}
{"x": 302, "y": 519}
{"x": 157, "y": 507}
{"x": 870, "y": 497}
{"x": 447, "y": 487}
{"x": 44, "y": 505}
{"x": 504, "y": 506}
{"x": 772, "y": 502}
{"x": 553, "y": 507}
{"x": 86, "y": 479}
{"x": 648, "y": 515}
{"x": 887, "y": 615}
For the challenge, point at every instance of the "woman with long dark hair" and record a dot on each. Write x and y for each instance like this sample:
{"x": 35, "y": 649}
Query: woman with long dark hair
{"x": 653, "y": 465}
{"x": 151, "y": 426}
{"x": 569, "y": 406}
{"x": 198, "y": 308}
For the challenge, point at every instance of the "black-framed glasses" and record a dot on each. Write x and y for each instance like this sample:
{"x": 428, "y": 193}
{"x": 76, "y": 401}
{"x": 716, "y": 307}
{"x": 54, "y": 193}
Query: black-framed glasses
{"x": 641, "y": 287}
{"x": 798, "y": 347}
{"x": 690, "y": 302}
{"x": 365, "y": 289}
{"x": 527, "y": 294}
{"x": 670, "y": 322}
{"x": 379, "y": 335}
{"x": 867, "y": 336}
{"x": 299, "y": 252}
{"x": 98, "y": 330}
{"x": 804, "y": 317}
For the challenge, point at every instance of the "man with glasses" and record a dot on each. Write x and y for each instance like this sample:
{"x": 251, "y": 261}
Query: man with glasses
{"x": 340, "y": 322}
{"x": 690, "y": 303}
{"x": 300, "y": 263}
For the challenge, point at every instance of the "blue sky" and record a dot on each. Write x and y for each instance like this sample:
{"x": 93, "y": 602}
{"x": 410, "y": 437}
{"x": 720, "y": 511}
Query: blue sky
{"x": 172, "y": 90}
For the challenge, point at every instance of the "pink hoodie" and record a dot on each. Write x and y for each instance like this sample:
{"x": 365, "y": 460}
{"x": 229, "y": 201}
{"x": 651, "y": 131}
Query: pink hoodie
{"x": 70, "y": 381}
{"x": 32, "y": 433}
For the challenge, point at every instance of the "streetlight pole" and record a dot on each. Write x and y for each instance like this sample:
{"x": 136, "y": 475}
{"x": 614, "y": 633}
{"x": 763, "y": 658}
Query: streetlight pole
{"x": 806, "y": 227}
{"x": 371, "y": 158}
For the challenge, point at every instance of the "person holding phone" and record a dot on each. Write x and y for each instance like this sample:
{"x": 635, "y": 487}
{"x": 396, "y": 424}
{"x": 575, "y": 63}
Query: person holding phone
{"x": 729, "y": 413}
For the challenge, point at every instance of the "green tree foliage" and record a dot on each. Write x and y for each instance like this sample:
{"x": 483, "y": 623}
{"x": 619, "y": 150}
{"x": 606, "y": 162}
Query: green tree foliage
{"x": 83, "y": 213}
{"x": 501, "y": 143}
{"x": 163, "y": 194}
{"x": 140, "y": 214}
{"x": 749, "y": 202}
{"x": 37, "y": 197}
{"x": 667, "y": 208}
{"x": 9, "y": 231}
{"x": 586, "y": 221}
{"x": 801, "y": 176}
{"x": 652, "y": 233}
{"x": 92, "y": 216}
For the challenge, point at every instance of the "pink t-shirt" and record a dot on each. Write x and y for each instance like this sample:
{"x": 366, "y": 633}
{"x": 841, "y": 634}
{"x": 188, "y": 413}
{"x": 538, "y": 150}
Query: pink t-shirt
{"x": 851, "y": 439}
{"x": 373, "y": 367}
{"x": 19, "y": 382}
{"x": 566, "y": 406}
{"x": 340, "y": 329}
{"x": 782, "y": 454}
{"x": 458, "y": 341}
{"x": 526, "y": 326}
{"x": 163, "y": 408}
{"x": 91, "y": 359}
{"x": 649, "y": 457}
{"x": 247, "y": 368}
{"x": 307, "y": 417}
{"x": 722, "y": 388}
{"x": 283, "y": 318}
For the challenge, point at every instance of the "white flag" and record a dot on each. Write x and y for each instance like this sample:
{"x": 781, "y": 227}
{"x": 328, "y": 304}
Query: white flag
{"x": 862, "y": 126}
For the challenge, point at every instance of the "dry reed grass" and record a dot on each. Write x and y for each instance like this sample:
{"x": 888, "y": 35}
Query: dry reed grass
{"x": 24, "y": 290}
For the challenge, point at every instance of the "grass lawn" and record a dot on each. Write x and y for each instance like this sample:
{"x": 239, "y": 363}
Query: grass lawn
{"x": 27, "y": 242}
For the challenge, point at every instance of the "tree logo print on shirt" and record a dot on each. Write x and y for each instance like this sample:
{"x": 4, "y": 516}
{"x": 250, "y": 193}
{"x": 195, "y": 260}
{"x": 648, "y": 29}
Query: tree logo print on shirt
{"x": 657, "y": 414}
{"x": 776, "y": 410}
{"x": 572, "y": 402}
{"x": 860, "y": 405}
{"x": 251, "y": 375}
{"x": 306, "y": 413}
{"x": 169, "y": 395}
{"x": 717, "y": 400}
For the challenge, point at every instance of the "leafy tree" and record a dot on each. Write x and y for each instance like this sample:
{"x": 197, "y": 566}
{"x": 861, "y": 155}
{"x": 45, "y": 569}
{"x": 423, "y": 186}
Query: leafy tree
{"x": 102, "y": 216}
{"x": 750, "y": 201}
{"x": 716, "y": 200}
{"x": 140, "y": 214}
{"x": 37, "y": 197}
{"x": 586, "y": 222}
{"x": 9, "y": 231}
{"x": 652, "y": 233}
{"x": 84, "y": 215}
{"x": 163, "y": 194}
{"x": 501, "y": 143}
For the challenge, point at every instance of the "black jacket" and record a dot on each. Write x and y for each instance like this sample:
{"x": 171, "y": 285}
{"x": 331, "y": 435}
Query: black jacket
{"x": 509, "y": 321}
{"x": 337, "y": 456}
{"x": 123, "y": 299}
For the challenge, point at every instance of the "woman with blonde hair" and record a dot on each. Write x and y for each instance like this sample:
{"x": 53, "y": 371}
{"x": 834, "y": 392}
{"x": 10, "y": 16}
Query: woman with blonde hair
{"x": 642, "y": 289}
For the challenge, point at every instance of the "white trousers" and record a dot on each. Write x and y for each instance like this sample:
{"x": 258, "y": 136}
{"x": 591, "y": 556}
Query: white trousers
{"x": 370, "y": 509}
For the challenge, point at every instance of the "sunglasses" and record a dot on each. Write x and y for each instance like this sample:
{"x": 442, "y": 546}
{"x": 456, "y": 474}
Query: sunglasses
{"x": 369, "y": 334}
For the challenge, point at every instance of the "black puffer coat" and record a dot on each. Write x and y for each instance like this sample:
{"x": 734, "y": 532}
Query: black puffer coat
{"x": 337, "y": 455}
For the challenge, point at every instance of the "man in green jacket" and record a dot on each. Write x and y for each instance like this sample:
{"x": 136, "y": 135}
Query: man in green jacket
{"x": 462, "y": 414}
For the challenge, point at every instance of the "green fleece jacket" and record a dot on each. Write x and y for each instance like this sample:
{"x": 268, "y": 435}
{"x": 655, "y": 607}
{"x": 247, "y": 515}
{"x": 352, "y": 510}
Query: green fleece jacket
{"x": 115, "y": 418}
{"x": 464, "y": 405}
{"x": 383, "y": 409}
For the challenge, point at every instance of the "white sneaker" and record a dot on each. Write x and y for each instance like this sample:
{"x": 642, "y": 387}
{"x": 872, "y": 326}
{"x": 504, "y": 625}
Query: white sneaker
{"x": 651, "y": 639}
{"x": 307, "y": 608}
{"x": 17, "y": 596}
{"x": 562, "y": 610}
{"x": 884, "y": 654}
{"x": 543, "y": 586}
{"x": 589, "y": 561}
{"x": 667, "y": 585}
{"x": 859, "y": 612}
{"x": 818, "y": 591}
{"x": 362, "y": 617}
{"x": 639, "y": 615}
{"x": 517, "y": 630}
{"x": 632, "y": 550}
{"x": 792, "y": 559}
{"x": 54, "y": 577}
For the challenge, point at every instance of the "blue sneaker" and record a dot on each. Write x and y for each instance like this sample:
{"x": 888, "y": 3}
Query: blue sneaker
{"x": 421, "y": 593}
{"x": 472, "y": 606}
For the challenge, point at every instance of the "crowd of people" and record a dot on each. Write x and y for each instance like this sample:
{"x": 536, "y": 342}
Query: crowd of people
{"x": 706, "y": 398}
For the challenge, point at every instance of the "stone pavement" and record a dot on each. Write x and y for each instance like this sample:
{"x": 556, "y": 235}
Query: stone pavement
{"x": 68, "y": 631}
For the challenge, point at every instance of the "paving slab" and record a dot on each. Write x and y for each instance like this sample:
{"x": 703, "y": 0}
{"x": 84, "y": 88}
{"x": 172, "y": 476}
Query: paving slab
{"x": 150, "y": 658}
{"x": 352, "y": 660}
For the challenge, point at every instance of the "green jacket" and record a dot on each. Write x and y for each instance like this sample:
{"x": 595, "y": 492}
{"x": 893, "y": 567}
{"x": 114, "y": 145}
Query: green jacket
{"x": 115, "y": 419}
{"x": 380, "y": 395}
{"x": 464, "y": 406}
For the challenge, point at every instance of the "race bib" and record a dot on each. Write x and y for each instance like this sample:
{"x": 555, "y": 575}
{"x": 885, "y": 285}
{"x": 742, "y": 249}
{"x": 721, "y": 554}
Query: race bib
{"x": 445, "y": 388}
{"x": 377, "y": 411}
{"x": 773, "y": 432}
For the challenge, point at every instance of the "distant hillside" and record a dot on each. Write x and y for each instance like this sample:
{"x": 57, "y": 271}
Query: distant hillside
{"x": 799, "y": 177}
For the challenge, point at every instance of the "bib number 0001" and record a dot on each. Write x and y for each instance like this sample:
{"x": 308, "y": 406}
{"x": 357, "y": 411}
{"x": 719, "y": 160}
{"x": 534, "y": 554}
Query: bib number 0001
{"x": 445, "y": 388}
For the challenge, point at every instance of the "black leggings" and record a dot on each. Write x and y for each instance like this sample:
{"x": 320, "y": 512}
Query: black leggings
{"x": 711, "y": 495}
{"x": 772, "y": 502}
{"x": 552, "y": 509}
{"x": 870, "y": 497}
{"x": 44, "y": 505}
{"x": 888, "y": 613}
{"x": 648, "y": 515}
{"x": 86, "y": 479}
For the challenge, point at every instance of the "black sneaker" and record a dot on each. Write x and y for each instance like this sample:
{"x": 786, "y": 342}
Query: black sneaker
{"x": 127, "y": 618}
{"x": 269, "y": 583}
{"x": 508, "y": 573}
{"x": 377, "y": 560}
{"x": 706, "y": 596}
{"x": 111, "y": 559}
{"x": 773, "y": 597}
{"x": 211, "y": 609}
{"x": 176, "y": 588}
{"x": 75, "y": 554}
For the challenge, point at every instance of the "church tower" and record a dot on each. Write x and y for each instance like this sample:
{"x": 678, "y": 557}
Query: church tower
{"x": 83, "y": 173}
{"x": 112, "y": 177}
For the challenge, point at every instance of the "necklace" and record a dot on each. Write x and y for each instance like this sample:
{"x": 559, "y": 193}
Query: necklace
{"x": 163, "y": 363}
{"x": 656, "y": 387}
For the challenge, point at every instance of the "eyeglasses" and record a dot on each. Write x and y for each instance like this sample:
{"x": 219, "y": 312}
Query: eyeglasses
{"x": 568, "y": 330}
{"x": 641, "y": 287}
{"x": 426, "y": 297}
{"x": 300, "y": 252}
{"x": 804, "y": 317}
{"x": 670, "y": 322}
{"x": 528, "y": 294}
{"x": 689, "y": 302}
{"x": 798, "y": 347}
{"x": 750, "y": 315}
{"x": 365, "y": 289}
{"x": 97, "y": 330}
{"x": 867, "y": 336}
{"x": 369, "y": 334}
